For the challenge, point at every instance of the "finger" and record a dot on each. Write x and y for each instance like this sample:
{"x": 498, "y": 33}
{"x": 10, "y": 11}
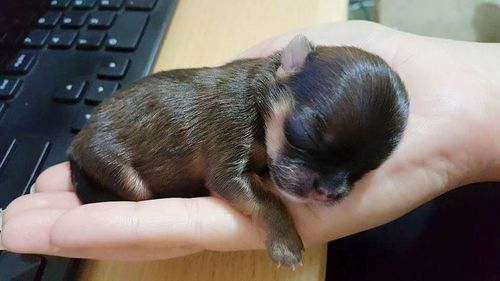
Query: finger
{"x": 55, "y": 178}
{"x": 29, "y": 232}
{"x": 369, "y": 36}
{"x": 352, "y": 33}
{"x": 45, "y": 200}
{"x": 205, "y": 223}
{"x": 94, "y": 230}
{"x": 133, "y": 253}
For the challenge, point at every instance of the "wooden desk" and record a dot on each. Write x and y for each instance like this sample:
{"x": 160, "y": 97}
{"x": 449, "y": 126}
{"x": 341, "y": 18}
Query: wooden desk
{"x": 204, "y": 33}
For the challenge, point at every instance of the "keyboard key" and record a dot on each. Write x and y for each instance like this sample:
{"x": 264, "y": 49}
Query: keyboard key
{"x": 90, "y": 39}
{"x": 81, "y": 118}
{"x": 126, "y": 32}
{"x": 3, "y": 108}
{"x": 114, "y": 68}
{"x": 50, "y": 19}
{"x": 100, "y": 90}
{"x": 70, "y": 93}
{"x": 83, "y": 4}
{"x": 3, "y": 36}
{"x": 6, "y": 149}
{"x": 22, "y": 168}
{"x": 58, "y": 4}
{"x": 62, "y": 38}
{"x": 21, "y": 64}
{"x": 101, "y": 19}
{"x": 74, "y": 19}
{"x": 21, "y": 267}
{"x": 110, "y": 4}
{"x": 36, "y": 38}
{"x": 140, "y": 4}
{"x": 9, "y": 87}
{"x": 11, "y": 39}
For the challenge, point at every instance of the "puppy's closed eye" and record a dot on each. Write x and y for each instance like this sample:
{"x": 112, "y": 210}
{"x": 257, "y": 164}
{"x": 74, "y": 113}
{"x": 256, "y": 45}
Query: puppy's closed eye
{"x": 302, "y": 128}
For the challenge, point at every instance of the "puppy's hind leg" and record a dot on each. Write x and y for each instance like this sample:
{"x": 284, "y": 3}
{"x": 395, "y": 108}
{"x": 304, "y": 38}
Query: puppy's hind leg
{"x": 247, "y": 193}
{"x": 111, "y": 182}
{"x": 86, "y": 187}
{"x": 134, "y": 187}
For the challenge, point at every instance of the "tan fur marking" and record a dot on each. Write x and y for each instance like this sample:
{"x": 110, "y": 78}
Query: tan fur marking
{"x": 135, "y": 185}
{"x": 275, "y": 131}
{"x": 258, "y": 159}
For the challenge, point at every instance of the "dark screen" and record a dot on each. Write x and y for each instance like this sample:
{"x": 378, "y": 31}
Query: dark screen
{"x": 17, "y": 19}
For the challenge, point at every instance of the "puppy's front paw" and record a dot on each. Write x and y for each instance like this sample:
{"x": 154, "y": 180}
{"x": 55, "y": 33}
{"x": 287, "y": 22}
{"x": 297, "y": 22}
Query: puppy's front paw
{"x": 286, "y": 250}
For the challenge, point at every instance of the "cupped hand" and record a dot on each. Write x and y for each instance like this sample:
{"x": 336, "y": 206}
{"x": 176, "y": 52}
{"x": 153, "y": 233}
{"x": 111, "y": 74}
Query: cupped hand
{"x": 452, "y": 139}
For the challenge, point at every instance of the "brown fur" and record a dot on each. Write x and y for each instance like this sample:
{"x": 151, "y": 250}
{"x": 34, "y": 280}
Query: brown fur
{"x": 179, "y": 132}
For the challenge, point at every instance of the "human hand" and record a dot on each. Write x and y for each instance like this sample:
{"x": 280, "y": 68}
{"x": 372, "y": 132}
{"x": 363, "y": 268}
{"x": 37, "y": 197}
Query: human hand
{"x": 452, "y": 139}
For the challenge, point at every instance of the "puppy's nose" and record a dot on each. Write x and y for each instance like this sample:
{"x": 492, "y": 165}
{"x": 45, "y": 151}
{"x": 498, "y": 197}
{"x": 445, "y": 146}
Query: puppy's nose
{"x": 320, "y": 195}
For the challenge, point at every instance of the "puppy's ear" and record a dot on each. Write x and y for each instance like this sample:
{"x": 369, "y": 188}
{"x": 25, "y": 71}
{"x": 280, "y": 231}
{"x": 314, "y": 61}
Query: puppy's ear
{"x": 294, "y": 55}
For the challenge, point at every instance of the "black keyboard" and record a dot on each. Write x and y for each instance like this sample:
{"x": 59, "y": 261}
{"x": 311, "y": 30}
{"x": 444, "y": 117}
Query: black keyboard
{"x": 58, "y": 60}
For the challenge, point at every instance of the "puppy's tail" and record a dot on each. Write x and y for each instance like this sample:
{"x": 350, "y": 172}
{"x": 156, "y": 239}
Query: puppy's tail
{"x": 88, "y": 190}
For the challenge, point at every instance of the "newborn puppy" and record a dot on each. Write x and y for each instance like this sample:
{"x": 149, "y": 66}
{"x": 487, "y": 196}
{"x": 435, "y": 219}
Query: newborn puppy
{"x": 318, "y": 118}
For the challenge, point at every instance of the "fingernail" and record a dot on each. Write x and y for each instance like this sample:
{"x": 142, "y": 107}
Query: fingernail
{"x": 1, "y": 219}
{"x": 32, "y": 189}
{"x": 1, "y": 224}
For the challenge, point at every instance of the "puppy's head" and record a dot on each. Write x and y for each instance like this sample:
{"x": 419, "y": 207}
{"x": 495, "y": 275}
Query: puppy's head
{"x": 345, "y": 113}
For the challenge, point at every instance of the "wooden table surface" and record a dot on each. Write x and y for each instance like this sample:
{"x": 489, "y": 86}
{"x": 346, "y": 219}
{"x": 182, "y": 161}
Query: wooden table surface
{"x": 205, "y": 33}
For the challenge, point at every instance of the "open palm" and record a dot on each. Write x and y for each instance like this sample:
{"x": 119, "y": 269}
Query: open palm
{"x": 452, "y": 139}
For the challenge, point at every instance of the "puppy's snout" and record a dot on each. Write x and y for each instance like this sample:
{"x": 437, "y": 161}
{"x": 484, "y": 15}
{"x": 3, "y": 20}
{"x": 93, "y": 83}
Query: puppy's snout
{"x": 321, "y": 194}
{"x": 329, "y": 187}
{"x": 324, "y": 194}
